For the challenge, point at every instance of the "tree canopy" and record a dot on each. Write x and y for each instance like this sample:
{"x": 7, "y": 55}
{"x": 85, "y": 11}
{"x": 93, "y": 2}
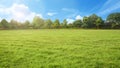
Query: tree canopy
{"x": 92, "y": 21}
{"x": 4, "y": 24}
{"x": 114, "y": 19}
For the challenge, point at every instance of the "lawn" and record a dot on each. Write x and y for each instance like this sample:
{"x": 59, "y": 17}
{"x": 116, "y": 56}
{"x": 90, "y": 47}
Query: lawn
{"x": 60, "y": 48}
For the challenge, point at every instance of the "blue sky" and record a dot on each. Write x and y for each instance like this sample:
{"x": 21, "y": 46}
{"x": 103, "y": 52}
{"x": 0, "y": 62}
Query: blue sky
{"x": 71, "y": 10}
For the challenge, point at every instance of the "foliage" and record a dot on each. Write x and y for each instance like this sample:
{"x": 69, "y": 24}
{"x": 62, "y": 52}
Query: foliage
{"x": 14, "y": 24}
{"x": 85, "y": 22}
{"x": 26, "y": 24}
{"x": 99, "y": 22}
{"x": 64, "y": 24}
{"x": 114, "y": 19}
{"x": 92, "y": 21}
{"x": 48, "y": 24}
{"x": 4, "y": 24}
{"x": 56, "y": 24}
{"x": 37, "y": 22}
{"x": 77, "y": 23}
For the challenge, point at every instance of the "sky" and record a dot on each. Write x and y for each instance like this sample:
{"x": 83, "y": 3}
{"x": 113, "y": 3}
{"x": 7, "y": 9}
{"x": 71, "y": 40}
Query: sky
{"x": 71, "y": 10}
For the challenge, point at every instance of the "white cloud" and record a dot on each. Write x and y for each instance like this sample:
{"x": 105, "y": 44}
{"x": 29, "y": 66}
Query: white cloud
{"x": 70, "y": 10}
{"x": 19, "y": 12}
{"x": 79, "y": 17}
{"x": 72, "y": 13}
{"x": 51, "y": 13}
{"x": 110, "y": 6}
{"x": 70, "y": 20}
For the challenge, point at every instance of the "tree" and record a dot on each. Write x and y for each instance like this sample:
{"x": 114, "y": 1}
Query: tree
{"x": 98, "y": 22}
{"x": 70, "y": 25}
{"x": 64, "y": 23}
{"x": 26, "y": 24}
{"x": 14, "y": 24}
{"x": 37, "y": 22}
{"x": 4, "y": 24}
{"x": 114, "y": 19}
{"x": 56, "y": 24}
{"x": 77, "y": 23}
{"x": 85, "y": 22}
{"x": 48, "y": 24}
{"x": 0, "y": 26}
{"x": 92, "y": 20}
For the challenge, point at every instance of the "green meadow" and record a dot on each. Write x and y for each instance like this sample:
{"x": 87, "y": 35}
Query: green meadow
{"x": 60, "y": 48}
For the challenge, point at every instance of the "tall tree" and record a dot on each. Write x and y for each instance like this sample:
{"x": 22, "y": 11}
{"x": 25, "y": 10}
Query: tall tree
{"x": 56, "y": 24}
{"x": 48, "y": 24}
{"x": 64, "y": 23}
{"x": 114, "y": 19}
{"x": 0, "y": 26}
{"x": 98, "y": 22}
{"x": 4, "y": 24}
{"x": 92, "y": 20}
{"x": 26, "y": 24}
{"x": 85, "y": 22}
{"x": 14, "y": 24}
{"x": 77, "y": 23}
{"x": 37, "y": 22}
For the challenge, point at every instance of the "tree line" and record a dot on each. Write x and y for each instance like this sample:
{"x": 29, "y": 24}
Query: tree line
{"x": 89, "y": 22}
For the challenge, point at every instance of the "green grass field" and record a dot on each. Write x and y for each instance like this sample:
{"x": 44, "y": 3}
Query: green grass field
{"x": 60, "y": 48}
